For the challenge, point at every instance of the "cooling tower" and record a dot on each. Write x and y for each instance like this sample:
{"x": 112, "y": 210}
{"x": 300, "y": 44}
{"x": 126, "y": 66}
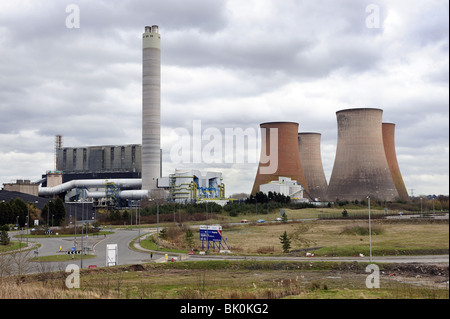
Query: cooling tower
{"x": 279, "y": 154}
{"x": 360, "y": 167}
{"x": 151, "y": 107}
{"x": 311, "y": 160}
{"x": 391, "y": 157}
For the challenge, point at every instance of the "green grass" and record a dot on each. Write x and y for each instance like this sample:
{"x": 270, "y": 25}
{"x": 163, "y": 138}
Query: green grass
{"x": 151, "y": 245}
{"x": 61, "y": 257}
{"x": 99, "y": 234}
{"x": 13, "y": 245}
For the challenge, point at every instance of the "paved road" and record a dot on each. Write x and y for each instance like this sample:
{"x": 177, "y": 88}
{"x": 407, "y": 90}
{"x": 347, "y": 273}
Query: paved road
{"x": 96, "y": 245}
{"x": 384, "y": 259}
{"x": 126, "y": 256}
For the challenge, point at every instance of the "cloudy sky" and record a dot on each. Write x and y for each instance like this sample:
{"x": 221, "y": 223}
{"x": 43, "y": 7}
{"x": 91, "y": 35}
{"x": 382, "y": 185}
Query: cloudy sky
{"x": 228, "y": 64}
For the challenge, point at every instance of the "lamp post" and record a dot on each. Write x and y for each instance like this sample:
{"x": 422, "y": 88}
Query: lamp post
{"x": 157, "y": 226}
{"x": 157, "y": 221}
{"x": 48, "y": 211}
{"x": 370, "y": 233}
{"x": 28, "y": 220}
{"x": 139, "y": 224}
{"x": 420, "y": 206}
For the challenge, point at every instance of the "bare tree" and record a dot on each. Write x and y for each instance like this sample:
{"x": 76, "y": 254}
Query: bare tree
{"x": 5, "y": 266}
{"x": 44, "y": 269}
{"x": 20, "y": 262}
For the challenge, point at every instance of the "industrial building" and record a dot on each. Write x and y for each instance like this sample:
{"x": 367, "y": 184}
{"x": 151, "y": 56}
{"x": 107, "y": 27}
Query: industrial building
{"x": 284, "y": 186}
{"x": 391, "y": 157}
{"x": 311, "y": 159}
{"x": 360, "y": 167}
{"x": 23, "y": 187}
{"x": 99, "y": 159}
{"x": 186, "y": 186}
{"x": 279, "y": 155}
{"x": 103, "y": 175}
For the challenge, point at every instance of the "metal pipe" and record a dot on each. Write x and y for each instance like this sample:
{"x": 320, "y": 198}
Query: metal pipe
{"x": 126, "y": 194}
{"x": 88, "y": 183}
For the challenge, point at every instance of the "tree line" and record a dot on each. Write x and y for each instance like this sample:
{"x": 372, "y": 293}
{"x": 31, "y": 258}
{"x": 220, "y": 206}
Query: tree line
{"x": 16, "y": 212}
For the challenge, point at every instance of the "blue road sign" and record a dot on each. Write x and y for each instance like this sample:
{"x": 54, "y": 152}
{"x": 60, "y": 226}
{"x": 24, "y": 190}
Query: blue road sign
{"x": 211, "y": 233}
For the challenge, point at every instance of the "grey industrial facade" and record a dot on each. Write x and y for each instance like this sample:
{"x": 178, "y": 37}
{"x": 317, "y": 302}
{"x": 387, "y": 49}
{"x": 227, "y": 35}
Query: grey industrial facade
{"x": 99, "y": 159}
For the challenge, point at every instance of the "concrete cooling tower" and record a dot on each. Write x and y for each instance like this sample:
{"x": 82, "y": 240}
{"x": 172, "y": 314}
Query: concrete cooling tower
{"x": 151, "y": 107}
{"x": 279, "y": 154}
{"x": 360, "y": 167}
{"x": 391, "y": 157}
{"x": 311, "y": 160}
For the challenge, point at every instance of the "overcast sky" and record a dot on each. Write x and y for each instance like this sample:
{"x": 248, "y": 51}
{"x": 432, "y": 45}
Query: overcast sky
{"x": 228, "y": 64}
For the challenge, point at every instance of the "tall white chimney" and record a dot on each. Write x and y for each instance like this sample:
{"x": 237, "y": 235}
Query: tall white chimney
{"x": 151, "y": 107}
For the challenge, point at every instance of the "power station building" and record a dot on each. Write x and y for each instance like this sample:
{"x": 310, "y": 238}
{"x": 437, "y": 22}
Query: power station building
{"x": 311, "y": 159}
{"x": 279, "y": 155}
{"x": 186, "y": 186}
{"x": 286, "y": 187}
{"x": 391, "y": 157}
{"x": 361, "y": 166}
{"x": 105, "y": 159}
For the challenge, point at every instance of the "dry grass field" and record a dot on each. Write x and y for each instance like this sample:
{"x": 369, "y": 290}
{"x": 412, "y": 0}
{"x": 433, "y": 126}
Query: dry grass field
{"x": 395, "y": 238}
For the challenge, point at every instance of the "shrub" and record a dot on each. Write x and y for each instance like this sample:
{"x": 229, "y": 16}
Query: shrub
{"x": 362, "y": 230}
{"x": 344, "y": 213}
{"x": 4, "y": 238}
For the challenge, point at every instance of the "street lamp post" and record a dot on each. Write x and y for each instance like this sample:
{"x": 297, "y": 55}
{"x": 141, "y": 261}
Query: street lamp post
{"x": 420, "y": 206}
{"x": 370, "y": 233}
{"x": 157, "y": 226}
{"x": 139, "y": 224}
{"x": 157, "y": 221}
{"x": 28, "y": 220}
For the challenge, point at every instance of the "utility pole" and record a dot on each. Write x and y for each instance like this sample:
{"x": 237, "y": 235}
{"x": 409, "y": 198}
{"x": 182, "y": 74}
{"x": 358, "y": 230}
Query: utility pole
{"x": 157, "y": 226}
{"x": 370, "y": 234}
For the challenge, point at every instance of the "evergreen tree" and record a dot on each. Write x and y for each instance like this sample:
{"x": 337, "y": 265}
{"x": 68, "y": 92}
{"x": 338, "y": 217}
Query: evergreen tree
{"x": 285, "y": 242}
{"x": 189, "y": 237}
{"x": 54, "y": 209}
{"x": 4, "y": 238}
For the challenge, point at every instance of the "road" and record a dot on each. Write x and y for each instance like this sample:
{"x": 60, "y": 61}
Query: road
{"x": 96, "y": 245}
{"x": 433, "y": 259}
{"x": 126, "y": 256}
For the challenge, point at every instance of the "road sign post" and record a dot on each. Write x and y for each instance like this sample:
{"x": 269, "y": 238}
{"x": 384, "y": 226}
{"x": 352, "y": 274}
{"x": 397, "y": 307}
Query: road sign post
{"x": 213, "y": 236}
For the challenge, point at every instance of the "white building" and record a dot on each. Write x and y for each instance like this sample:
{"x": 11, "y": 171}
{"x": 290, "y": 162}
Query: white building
{"x": 191, "y": 185}
{"x": 284, "y": 186}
